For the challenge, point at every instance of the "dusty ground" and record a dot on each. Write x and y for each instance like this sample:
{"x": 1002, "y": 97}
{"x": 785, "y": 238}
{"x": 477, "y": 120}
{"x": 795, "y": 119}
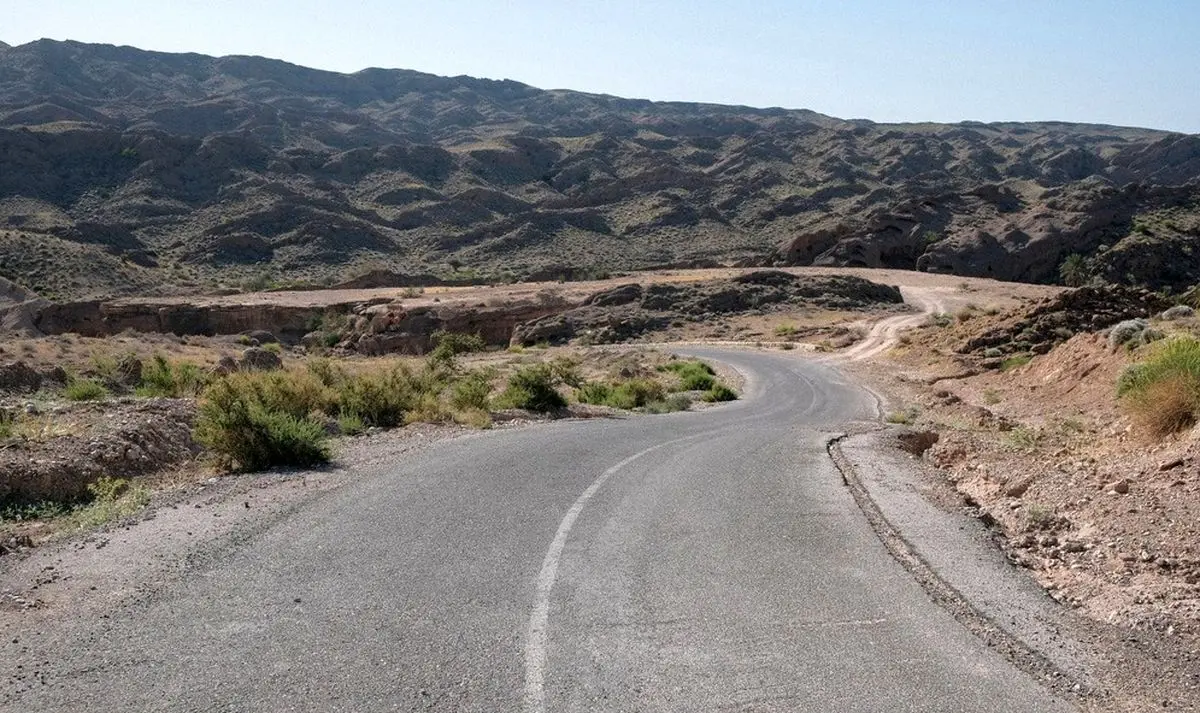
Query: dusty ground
{"x": 1104, "y": 517}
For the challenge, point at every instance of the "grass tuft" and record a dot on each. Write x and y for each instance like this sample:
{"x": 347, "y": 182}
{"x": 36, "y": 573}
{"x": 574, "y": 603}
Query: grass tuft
{"x": 78, "y": 389}
{"x": 167, "y": 379}
{"x": 1162, "y": 393}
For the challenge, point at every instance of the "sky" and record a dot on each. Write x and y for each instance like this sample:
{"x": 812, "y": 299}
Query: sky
{"x": 1132, "y": 62}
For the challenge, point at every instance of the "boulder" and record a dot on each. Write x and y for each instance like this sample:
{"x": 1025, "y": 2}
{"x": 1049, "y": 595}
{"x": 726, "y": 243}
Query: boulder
{"x": 19, "y": 378}
{"x": 256, "y": 359}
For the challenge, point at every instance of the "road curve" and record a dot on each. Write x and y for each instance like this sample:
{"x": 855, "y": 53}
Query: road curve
{"x": 697, "y": 561}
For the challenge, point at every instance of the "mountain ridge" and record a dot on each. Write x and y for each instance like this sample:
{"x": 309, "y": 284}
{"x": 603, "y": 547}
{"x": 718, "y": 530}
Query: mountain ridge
{"x": 181, "y": 172}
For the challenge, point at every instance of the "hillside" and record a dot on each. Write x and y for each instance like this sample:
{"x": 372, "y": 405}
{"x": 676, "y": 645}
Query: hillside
{"x": 130, "y": 171}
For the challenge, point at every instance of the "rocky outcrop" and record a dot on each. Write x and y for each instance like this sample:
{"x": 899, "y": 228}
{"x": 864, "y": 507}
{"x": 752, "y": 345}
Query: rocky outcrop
{"x": 97, "y": 318}
{"x": 1055, "y": 320}
{"x": 628, "y": 311}
{"x": 18, "y": 306}
{"x": 124, "y": 440}
{"x": 20, "y": 378}
{"x": 396, "y": 328}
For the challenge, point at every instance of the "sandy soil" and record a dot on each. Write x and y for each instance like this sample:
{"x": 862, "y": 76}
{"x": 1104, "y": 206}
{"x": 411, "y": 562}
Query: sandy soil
{"x": 1104, "y": 518}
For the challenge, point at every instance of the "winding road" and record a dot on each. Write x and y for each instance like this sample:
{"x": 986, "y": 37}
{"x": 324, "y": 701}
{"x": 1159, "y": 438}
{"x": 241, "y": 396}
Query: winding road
{"x": 699, "y": 561}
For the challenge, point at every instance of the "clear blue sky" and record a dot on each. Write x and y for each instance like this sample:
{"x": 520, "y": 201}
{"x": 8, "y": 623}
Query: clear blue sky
{"x": 1133, "y": 62}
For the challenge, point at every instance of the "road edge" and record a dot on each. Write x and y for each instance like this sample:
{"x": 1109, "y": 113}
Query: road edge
{"x": 904, "y": 548}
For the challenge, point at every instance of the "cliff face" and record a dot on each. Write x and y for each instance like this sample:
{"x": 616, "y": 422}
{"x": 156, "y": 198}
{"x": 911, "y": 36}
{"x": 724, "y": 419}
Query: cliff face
{"x": 138, "y": 172}
{"x": 358, "y": 322}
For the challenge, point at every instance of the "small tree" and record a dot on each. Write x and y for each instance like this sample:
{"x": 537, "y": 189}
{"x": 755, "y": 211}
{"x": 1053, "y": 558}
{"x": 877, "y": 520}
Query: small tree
{"x": 1074, "y": 270}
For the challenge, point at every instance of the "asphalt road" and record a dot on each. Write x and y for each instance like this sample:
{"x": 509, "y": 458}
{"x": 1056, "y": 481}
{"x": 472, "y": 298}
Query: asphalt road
{"x": 687, "y": 562}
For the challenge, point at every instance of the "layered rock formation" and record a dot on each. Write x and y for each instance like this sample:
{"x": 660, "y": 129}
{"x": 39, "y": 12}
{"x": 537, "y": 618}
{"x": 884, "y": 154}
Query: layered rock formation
{"x": 628, "y": 311}
{"x": 139, "y": 172}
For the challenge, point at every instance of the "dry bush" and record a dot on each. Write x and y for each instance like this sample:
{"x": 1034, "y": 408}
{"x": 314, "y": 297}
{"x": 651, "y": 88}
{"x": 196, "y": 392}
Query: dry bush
{"x": 1165, "y": 406}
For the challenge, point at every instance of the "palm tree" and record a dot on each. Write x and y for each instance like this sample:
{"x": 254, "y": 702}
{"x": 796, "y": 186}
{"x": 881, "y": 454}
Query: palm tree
{"x": 1073, "y": 270}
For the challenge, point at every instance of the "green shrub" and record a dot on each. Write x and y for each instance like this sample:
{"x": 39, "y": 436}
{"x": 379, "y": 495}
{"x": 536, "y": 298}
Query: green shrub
{"x": 78, "y": 389}
{"x": 635, "y": 393}
{"x": 161, "y": 378}
{"x": 471, "y": 391}
{"x": 719, "y": 392}
{"x": 296, "y": 393}
{"x": 1023, "y": 438}
{"x": 245, "y": 425}
{"x": 1174, "y": 357}
{"x": 593, "y": 392}
{"x": 273, "y": 347}
{"x": 693, "y": 375}
{"x": 628, "y": 394}
{"x": 533, "y": 388}
{"x": 384, "y": 399}
{"x": 566, "y": 371}
{"x": 325, "y": 371}
{"x": 111, "y": 499}
{"x": 447, "y": 345}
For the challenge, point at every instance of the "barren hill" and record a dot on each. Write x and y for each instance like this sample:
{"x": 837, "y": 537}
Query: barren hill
{"x": 130, "y": 171}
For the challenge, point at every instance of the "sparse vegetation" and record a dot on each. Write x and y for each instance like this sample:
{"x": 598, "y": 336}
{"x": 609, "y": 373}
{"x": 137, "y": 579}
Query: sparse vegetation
{"x": 471, "y": 391}
{"x": 1133, "y": 333}
{"x": 939, "y": 319}
{"x": 904, "y": 417}
{"x": 672, "y": 403}
{"x": 447, "y": 345}
{"x": 350, "y": 424}
{"x": 1015, "y": 361}
{"x": 1162, "y": 392}
{"x": 112, "y": 499}
{"x": 109, "y": 499}
{"x": 1023, "y": 438}
{"x": 1039, "y": 517}
{"x": 171, "y": 379}
{"x": 81, "y": 389}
